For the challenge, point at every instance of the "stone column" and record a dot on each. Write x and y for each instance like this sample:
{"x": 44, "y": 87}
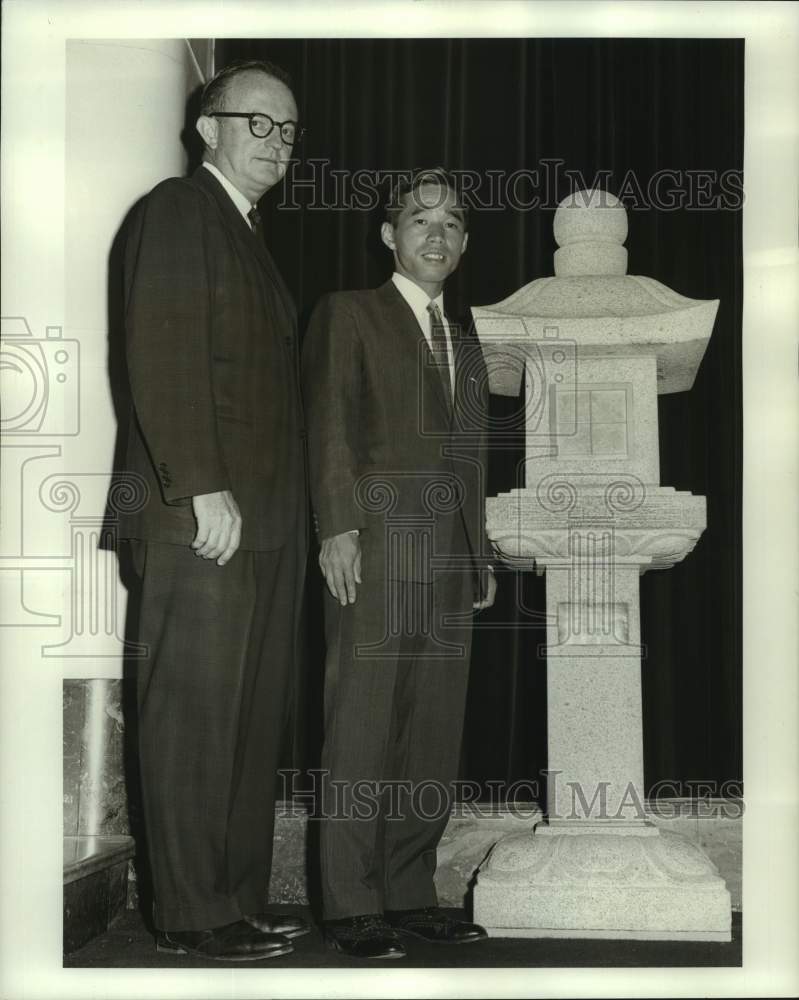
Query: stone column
{"x": 596, "y": 346}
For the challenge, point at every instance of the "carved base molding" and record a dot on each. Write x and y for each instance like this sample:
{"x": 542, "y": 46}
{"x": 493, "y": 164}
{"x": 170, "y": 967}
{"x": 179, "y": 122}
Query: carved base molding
{"x": 653, "y": 885}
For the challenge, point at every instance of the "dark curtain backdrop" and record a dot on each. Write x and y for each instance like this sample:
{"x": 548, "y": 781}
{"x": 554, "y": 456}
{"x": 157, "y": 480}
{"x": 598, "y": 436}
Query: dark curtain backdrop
{"x": 625, "y": 106}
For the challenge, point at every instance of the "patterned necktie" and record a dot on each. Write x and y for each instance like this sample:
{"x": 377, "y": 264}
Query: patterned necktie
{"x": 255, "y": 220}
{"x": 438, "y": 345}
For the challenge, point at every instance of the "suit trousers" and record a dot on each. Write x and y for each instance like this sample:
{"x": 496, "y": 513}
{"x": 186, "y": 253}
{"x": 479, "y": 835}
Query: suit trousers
{"x": 395, "y": 691}
{"x": 213, "y": 694}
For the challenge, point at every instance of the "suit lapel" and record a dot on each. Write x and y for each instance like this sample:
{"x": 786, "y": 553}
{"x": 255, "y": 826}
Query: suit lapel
{"x": 236, "y": 222}
{"x": 233, "y": 217}
{"x": 400, "y": 316}
{"x": 274, "y": 275}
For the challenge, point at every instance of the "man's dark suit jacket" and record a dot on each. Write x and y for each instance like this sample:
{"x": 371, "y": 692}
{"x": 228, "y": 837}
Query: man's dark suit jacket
{"x": 389, "y": 452}
{"x": 213, "y": 363}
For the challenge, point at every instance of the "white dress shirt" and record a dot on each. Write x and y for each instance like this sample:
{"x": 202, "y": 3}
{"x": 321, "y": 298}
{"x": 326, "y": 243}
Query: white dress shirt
{"x": 418, "y": 299}
{"x": 244, "y": 205}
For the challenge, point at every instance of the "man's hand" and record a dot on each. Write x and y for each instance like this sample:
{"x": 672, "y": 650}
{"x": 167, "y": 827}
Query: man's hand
{"x": 218, "y": 526}
{"x": 340, "y": 562}
{"x": 490, "y": 591}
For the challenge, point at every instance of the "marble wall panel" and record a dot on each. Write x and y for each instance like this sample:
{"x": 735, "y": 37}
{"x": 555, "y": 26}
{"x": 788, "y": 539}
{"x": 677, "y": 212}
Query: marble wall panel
{"x": 73, "y": 705}
{"x": 95, "y": 787}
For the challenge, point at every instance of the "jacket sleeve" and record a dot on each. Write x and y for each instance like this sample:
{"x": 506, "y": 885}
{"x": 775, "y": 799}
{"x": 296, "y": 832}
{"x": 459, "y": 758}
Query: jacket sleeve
{"x": 332, "y": 375}
{"x": 169, "y": 291}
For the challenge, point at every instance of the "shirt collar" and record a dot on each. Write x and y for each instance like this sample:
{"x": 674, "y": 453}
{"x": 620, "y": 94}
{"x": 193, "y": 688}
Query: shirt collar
{"x": 416, "y": 297}
{"x": 242, "y": 204}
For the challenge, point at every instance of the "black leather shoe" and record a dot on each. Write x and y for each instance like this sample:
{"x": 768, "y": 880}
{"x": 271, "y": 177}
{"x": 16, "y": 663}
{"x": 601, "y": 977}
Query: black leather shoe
{"x": 432, "y": 924}
{"x": 278, "y": 923}
{"x": 236, "y": 942}
{"x": 364, "y": 936}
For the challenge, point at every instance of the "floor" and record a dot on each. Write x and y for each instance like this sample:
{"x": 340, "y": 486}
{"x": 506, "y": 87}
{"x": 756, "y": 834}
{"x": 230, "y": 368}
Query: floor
{"x": 128, "y": 944}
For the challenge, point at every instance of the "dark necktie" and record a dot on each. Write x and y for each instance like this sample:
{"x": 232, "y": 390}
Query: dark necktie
{"x": 255, "y": 221}
{"x": 438, "y": 345}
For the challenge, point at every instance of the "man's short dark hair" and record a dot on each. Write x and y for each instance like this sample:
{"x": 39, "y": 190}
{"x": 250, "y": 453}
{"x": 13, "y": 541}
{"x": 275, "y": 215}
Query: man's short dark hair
{"x": 409, "y": 183}
{"x": 213, "y": 98}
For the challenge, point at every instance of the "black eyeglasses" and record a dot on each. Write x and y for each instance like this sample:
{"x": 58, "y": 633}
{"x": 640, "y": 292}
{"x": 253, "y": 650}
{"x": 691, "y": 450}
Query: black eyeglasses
{"x": 261, "y": 125}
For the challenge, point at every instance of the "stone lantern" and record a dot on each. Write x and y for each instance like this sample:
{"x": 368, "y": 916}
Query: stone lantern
{"x": 595, "y": 347}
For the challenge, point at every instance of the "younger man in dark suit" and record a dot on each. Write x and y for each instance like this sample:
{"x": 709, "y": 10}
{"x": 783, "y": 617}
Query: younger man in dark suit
{"x": 220, "y": 545}
{"x": 396, "y": 399}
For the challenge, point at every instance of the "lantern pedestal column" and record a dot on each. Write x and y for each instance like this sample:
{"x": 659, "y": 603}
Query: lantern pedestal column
{"x": 597, "y": 868}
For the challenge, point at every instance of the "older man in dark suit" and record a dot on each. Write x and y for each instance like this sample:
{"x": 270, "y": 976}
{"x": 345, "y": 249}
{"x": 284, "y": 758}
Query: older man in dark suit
{"x": 396, "y": 400}
{"x": 220, "y": 546}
